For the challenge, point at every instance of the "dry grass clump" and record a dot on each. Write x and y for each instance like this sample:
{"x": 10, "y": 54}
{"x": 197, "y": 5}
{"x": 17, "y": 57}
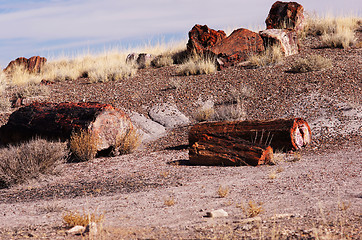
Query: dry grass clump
{"x": 334, "y": 31}
{"x": 205, "y": 111}
{"x": 31, "y": 90}
{"x": 162, "y": 60}
{"x": 223, "y": 191}
{"x": 3, "y": 81}
{"x": 310, "y": 63}
{"x": 30, "y": 160}
{"x": 272, "y": 55}
{"x": 170, "y": 201}
{"x": 197, "y": 65}
{"x": 127, "y": 143}
{"x": 83, "y": 145}
{"x": 252, "y": 209}
{"x": 20, "y": 76}
{"x": 74, "y": 218}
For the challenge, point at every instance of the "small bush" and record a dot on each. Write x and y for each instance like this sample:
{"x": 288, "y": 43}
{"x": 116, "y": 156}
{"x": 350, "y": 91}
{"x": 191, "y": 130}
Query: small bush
{"x": 197, "y": 65}
{"x": 341, "y": 38}
{"x": 74, "y": 218}
{"x": 252, "y": 209}
{"x": 272, "y": 55}
{"x": 21, "y": 76}
{"x": 223, "y": 191}
{"x": 83, "y": 145}
{"x": 128, "y": 142}
{"x": 30, "y": 160}
{"x": 205, "y": 111}
{"x": 310, "y": 63}
{"x": 170, "y": 201}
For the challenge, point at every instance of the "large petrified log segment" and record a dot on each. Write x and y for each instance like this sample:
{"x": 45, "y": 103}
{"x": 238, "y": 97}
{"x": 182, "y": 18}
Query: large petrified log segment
{"x": 33, "y": 64}
{"x": 285, "y": 15}
{"x": 238, "y": 46}
{"x": 201, "y": 38}
{"x": 211, "y": 150}
{"x": 57, "y": 121}
{"x": 284, "y": 134}
{"x": 287, "y": 39}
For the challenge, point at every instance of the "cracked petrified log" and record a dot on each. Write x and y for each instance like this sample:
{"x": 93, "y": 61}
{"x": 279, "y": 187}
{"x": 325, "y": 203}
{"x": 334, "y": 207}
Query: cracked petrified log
{"x": 59, "y": 120}
{"x": 33, "y": 64}
{"x": 213, "y": 149}
{"x": 281, "y": 134}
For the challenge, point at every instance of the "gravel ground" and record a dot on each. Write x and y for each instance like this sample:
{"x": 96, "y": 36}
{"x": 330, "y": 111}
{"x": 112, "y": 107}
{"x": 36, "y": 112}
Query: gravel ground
{"x": 315, "y": 195}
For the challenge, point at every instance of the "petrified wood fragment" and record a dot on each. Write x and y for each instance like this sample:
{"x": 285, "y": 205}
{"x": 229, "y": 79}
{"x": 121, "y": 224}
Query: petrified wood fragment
{"x": 33, "y": 64}
{"x": 211, "y": 149}
{"x": 283, "y": 134}
{"x": 59, "y": 120}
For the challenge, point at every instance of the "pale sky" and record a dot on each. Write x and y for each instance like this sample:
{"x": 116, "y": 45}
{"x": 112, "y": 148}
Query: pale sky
{"x": 51, "y": 28}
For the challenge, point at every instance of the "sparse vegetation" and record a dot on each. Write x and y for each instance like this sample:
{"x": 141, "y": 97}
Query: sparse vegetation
{"x": 128, "y": 142}
{"x": 162, "y": 60}
{"x": 272, "y": 55}
{"x": 334, "y": 31}
{"x": 20, "y": 76}
{"x": 30, "y": 160}
{"x": 205, "y": 111}
{"x": 74, "y": 218}
{"x": 197, "y": 65}
{"x": 310, "y": 63}
{"x": 31, "y": 90}
{"x": 252, "y": 209}
{"x": 223, "y": 191}
{"x": 170, "y": 201}
{"x": 83, "y": 145}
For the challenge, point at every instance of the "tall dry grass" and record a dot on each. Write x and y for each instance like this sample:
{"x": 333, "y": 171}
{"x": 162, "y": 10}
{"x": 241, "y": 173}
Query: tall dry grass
{"x": 334, "y": 31}
{"x": 272, "y": 55}
{"x": 196, "y": 65}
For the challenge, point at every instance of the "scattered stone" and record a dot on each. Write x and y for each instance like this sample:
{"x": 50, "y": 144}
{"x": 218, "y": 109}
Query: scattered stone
{"x": 142, "y": 59}
{"x": 168, "y": 115}
{"x": 151, "y": 130}
{"x": 202, "y": 38}
{"x": 217, "y": 213}
{"x": 248, "y": 220}
{"x": 286, "y": 38}
{"x": 237, "y": 47}
{"x": 33, "y": 64}
{"x": 76, "y": 230}
{"x": 286, "y": 15}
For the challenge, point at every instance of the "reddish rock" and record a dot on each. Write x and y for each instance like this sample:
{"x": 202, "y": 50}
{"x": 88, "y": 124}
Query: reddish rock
{"x": 202, "y": 38}
{"x": 238, "y": 47}
{"x": 286, "y": 38}
{"x": 285, "y": 15}
{"x": 33, "y": 64}
{"x": 59, "y": 120}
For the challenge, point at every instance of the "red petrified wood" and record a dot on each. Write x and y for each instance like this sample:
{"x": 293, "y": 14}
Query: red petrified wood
{"x": 33, "y": 64}
{"x": 285, "y": 15}
{"x": 287, "y": 39}
{"x": 201, "y": 38}
{"x": 238, "y": 47}
{"x": 284, "y": 134}
{"x": 58, "y": 120}
{"x": 214, "y": 149}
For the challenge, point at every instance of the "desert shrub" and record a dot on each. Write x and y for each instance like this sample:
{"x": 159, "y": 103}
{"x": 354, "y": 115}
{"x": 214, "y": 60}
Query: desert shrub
{"x": 83, "y": 145}
{"x": 341, "y": 38}
{"x": 127, "y": 143}
{"x": 197, "y": 65}
{"x": 30, "y": 160}
{"x": 230, "y": 112}
{"x": 223, "y": 191}
{"x": 74, "y": 218}
{"x": 272, "y": 55}
{"x": 310, "y": 63}
{"x": 252, "y": 209}
{"x": 170, "y": 201}
{"x": 205, "y": 111}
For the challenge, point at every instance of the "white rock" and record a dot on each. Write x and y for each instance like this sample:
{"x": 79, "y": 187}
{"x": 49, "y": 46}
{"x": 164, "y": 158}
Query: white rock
{"x": 217, "y": 213}
{"x": 91, "y": 229}
{"x": 76, "y": 230}
{"x": 168, "y": 115}
{"x": 151, "y": 130}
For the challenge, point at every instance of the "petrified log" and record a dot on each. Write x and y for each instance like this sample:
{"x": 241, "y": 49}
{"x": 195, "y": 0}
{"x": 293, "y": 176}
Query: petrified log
{"x": 33, "y": 64}
{"x": 213, "y": 149}
{"x": 287, "y": 39}
{"x": 282, "y": 134}
{"x": 59, "y": 120}
{"x": 286, "y": 15}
